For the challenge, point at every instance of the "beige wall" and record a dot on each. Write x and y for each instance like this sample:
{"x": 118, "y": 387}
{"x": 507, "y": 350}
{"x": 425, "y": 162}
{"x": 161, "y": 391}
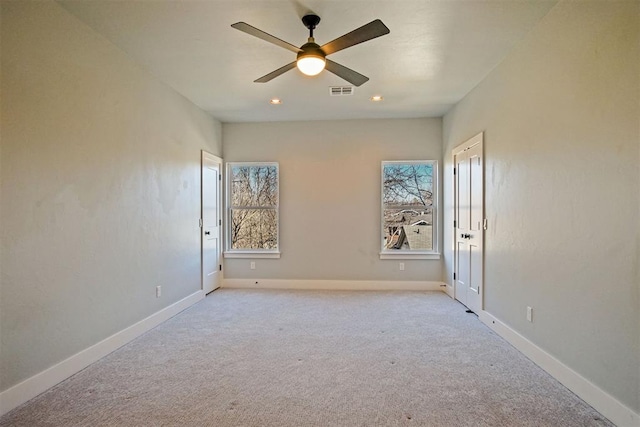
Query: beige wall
{"x": 561, "y": 120}
{"x": 100, "y": 189}
{"x": 330, "y": 194}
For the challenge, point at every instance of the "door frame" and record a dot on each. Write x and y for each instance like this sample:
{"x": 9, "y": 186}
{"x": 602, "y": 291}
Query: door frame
{"x": 218, "y": 160}
{"x": 466, "y": 145}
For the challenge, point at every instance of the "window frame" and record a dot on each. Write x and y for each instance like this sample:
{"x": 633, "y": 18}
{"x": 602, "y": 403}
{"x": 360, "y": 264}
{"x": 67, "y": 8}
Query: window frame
{"x": 410, "y": 254}
{"x": 249, "y": 253}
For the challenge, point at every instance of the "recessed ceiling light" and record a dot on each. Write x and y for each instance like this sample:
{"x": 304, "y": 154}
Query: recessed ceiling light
{"x": 376, "y": 98}
{"x": 275, "y": 101}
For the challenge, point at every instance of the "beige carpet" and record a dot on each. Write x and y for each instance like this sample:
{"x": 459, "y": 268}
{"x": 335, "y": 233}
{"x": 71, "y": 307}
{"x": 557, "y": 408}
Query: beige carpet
{"x": 313, "y": 358}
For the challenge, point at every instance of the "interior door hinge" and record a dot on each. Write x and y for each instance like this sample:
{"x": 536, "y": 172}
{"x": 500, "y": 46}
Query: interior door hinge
{"x": 220, "y": 267}
{"x": 219, "y": 222}
{"x": 200, "y": 222}
{"x": 455, "y": 224}
{"x": 454, "y": 276}
{"x": 454, "y": 171}
{"x": 219, "y": 177}
{"x": 484, "y": 224}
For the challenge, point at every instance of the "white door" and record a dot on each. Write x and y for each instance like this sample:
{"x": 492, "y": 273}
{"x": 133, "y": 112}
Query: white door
{"x": 211, "y": 222}
{"x": 469, "y": 223}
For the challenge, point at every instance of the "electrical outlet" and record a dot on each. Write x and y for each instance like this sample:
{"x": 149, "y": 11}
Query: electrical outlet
{"x": 530, "y": 314}
{"x": 158, "y": 291}
{"x": 253, "y": 265}
{"x": 401, "y": 266}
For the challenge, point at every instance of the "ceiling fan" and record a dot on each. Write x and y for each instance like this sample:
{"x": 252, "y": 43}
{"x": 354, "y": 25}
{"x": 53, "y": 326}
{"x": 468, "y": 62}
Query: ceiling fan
{"x": 311, "y": 59}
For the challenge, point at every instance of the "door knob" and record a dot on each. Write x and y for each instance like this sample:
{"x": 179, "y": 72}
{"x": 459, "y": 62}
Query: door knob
{"x": 206, "y": 233}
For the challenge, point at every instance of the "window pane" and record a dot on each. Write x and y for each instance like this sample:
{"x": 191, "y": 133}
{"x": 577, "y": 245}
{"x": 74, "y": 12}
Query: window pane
{"x": 407, "y": 184}
{"x": 408, "y": 229}
{"x": 254, "y": 186}
{"x": 254, "y": 229}
{"x": 408, "y": 205}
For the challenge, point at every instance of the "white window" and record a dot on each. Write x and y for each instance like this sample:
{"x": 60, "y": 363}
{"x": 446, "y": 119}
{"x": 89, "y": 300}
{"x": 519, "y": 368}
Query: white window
{"x": 409, "y": 209}
{"x": 252, "y": 210}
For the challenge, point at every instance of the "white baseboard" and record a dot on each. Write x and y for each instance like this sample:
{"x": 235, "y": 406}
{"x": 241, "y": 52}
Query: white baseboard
{"x": 31, "y": 387}
{"x": 603, "y": 402}
{"x": 343, "y": 285}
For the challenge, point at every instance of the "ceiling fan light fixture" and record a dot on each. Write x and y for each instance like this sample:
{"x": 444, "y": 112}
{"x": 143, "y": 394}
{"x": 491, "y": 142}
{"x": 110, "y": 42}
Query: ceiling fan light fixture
{"x": 311, "y": 65}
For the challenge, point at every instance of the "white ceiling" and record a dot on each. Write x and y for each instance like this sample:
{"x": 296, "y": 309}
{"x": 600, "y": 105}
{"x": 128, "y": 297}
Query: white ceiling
{"x": 437, "y": 51}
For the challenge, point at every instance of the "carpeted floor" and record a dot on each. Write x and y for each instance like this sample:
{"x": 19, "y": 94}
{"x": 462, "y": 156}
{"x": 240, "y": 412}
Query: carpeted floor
{"x": 313, "y": 358}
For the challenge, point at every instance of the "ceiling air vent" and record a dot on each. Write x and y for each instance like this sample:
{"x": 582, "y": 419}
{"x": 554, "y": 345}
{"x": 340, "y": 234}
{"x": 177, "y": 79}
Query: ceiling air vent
{"x": 340, "y": 90}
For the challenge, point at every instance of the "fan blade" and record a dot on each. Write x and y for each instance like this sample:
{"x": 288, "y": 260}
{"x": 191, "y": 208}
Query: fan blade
{"x": 246, "y": 28}
{"x": 276, "y": 73}
{"x": 367, "y": 32}
{"x": 345, "y": 73}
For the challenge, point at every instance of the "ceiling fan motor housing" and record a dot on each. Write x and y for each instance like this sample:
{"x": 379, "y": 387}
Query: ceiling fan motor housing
{"x": 311, "y": 48}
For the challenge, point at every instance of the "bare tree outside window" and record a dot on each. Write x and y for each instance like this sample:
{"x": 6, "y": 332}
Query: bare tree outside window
{"x": 408, "y": 205}
{"x": 253, "y": 196}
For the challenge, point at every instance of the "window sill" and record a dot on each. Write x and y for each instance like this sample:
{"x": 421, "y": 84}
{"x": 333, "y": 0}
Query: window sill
{"x": 409, "y": 255}
{"x": 252, "y": 254}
